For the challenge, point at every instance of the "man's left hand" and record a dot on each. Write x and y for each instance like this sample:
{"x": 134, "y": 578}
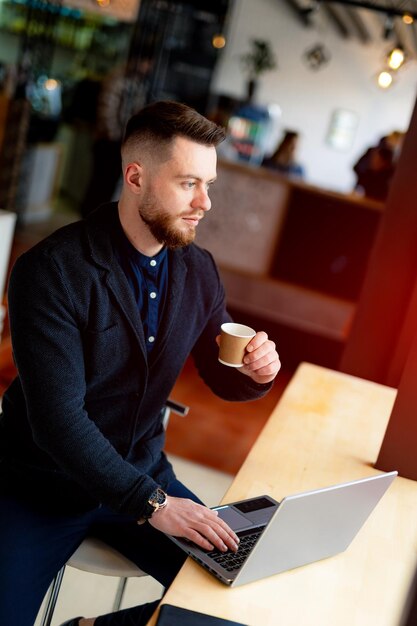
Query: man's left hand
{"x": 261, "y": 361}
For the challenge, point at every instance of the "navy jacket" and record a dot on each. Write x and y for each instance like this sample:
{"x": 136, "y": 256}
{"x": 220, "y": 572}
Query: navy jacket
{"x": 81, "y": 424}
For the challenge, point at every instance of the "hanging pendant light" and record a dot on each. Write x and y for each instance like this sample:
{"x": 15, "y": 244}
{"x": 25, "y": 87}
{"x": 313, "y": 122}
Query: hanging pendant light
{"x": 396, "y": 58}
{"x": 384, "y": 79}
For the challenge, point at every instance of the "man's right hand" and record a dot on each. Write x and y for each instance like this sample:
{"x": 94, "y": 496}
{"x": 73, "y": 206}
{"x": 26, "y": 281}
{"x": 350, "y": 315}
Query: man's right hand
{"x": 184, "y": 518}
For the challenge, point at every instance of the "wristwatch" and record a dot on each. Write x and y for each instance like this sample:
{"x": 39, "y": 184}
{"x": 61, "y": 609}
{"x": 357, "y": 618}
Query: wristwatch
{"x": 157, "y": 500}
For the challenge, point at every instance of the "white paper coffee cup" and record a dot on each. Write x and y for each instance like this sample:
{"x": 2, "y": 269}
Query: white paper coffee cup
{"x": 233, "y": 341}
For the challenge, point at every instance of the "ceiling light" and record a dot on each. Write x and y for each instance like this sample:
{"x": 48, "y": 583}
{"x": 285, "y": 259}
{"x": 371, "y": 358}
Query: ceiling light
{"x": 396, "y": 58}
{"x": 218, "y": 41}
{"x": 51, "y": 84}
{"x": 384, "y": 79}
{"x": 317, "y": 56}
{"x": 408, "y": 18}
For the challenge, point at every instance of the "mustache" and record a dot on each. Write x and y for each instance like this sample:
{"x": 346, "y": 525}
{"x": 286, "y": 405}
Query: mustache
{"x": 194, "y": 216}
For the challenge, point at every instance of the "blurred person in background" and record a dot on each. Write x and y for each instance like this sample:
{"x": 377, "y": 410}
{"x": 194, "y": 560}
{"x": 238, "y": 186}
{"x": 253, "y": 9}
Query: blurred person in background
{"x": 375, "y": 169}
{"x": 284, "y": 158}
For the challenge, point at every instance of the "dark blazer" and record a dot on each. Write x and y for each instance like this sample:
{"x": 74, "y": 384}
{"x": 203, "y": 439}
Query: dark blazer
{"x": 81, "y": 424}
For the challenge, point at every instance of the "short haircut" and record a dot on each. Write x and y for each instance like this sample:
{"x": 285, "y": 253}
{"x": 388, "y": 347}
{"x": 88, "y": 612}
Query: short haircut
{"x": 157, "y": 124}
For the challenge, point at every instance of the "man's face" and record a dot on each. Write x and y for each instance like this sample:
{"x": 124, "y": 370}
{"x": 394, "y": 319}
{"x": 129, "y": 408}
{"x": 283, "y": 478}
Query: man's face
{"x": 175, "y": 192}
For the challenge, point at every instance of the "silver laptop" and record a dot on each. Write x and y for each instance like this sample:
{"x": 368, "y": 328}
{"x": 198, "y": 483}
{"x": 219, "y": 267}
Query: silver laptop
{"x": 303, "y": 528}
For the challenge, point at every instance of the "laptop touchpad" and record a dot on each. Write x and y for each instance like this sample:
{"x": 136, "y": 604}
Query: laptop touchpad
{"x": 235, "y": 520}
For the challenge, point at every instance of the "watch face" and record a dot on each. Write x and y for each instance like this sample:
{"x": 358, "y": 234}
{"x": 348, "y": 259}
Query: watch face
{"x": 157, "y": 500}
{"x": 158, "y": 497}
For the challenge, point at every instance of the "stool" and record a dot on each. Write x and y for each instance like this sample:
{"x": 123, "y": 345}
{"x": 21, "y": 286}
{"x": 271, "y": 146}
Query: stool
{"x": 96, "y": 557}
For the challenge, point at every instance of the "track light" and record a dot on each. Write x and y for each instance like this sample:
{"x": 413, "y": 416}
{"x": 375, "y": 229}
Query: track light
{"x": 384, "y": 79}
{"x": 396, "y": 58}
{"x": 218, "y": 41}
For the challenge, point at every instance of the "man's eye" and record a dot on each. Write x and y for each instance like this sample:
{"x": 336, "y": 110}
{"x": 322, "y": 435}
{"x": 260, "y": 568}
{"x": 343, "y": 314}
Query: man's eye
{"x": 189, "y": 184}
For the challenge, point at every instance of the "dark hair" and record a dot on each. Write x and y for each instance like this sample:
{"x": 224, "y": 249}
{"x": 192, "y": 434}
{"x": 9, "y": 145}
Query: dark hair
{"x": 160, "y": 122}
{"x": 283, "y": 151}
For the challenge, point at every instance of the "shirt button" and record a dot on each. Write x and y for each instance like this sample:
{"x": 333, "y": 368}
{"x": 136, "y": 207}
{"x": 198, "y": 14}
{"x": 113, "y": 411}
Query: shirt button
{"x": 152, "y": 295}
{"x": 151, "y": 339}
{"x": 152, "y": 263}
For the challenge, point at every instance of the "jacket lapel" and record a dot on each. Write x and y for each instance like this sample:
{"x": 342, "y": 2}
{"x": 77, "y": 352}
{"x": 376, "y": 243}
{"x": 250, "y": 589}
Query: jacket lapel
{"x": 118, "y": 284}
{"x": 100, "y": 226}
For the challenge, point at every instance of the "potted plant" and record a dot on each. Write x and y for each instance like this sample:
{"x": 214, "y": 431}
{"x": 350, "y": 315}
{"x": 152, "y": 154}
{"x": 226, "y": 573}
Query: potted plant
{"x": 258, "y": 60}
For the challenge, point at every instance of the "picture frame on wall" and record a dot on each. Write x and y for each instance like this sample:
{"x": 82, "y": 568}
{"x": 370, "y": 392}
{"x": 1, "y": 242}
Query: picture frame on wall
{"x": 342, "y": 129}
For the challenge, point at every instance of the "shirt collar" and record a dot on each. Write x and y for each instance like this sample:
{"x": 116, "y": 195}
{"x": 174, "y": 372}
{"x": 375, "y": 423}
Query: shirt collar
{"x": 148, "y": 263}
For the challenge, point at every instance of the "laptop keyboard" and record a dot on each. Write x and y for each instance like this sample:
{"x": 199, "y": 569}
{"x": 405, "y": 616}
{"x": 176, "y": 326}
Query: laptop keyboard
{"x": 232, "y": 561}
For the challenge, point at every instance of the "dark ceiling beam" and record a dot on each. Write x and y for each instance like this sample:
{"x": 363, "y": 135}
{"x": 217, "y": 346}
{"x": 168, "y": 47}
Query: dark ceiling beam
{"x": 297, "y": 10}
{"x": 414, "y": 38}
{"x": 336, "y": 20}
{"x": 398, "y": 37}
{"x": 359, "y": 25}
{"x": 361, "y": 4}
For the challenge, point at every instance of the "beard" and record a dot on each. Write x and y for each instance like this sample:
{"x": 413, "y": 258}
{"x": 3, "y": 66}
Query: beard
{"x": 162, "y": 226}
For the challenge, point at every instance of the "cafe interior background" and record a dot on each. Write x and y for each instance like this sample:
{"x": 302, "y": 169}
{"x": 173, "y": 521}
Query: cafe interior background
{"x": 328, "y": 59}
{"x": 293, "y": 254}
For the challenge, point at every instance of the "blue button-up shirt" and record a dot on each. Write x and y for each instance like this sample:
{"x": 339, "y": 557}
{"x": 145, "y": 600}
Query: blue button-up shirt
{"x": 148, "y": 279}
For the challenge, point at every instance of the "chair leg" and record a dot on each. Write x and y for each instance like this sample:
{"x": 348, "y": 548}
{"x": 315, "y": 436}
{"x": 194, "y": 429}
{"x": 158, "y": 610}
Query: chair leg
{"x": 119, "y": 594}
{"x": 52, "y": 598}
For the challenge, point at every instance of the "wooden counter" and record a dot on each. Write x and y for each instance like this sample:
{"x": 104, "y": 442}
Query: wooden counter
{"x": 327, "y": 428}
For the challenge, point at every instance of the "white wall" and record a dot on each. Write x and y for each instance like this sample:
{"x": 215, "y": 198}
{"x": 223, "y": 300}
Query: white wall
{"x": 308, "y": 98}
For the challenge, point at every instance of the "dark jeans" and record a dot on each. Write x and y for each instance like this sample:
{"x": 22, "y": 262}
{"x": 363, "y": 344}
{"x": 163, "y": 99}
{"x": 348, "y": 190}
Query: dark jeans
{"x": 34, "y": 546}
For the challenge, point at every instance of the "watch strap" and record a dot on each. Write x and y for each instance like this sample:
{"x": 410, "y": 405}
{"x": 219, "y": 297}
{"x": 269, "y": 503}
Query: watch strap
{"x": 157, "y": 500}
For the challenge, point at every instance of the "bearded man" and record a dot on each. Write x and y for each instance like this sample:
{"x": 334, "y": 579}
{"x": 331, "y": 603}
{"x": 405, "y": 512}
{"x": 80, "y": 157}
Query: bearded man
{"x": 104, "y": 314}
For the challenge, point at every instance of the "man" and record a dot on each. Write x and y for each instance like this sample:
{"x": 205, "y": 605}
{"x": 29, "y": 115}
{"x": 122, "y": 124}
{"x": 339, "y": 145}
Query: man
{"x": 375, "y": 168}
{"x": 103, "y": 315}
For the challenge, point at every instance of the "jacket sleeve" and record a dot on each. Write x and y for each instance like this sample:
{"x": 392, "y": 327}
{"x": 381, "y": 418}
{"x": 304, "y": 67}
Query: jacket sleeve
{"x": 48, "y": 351}
{"x": 225, "y": 382}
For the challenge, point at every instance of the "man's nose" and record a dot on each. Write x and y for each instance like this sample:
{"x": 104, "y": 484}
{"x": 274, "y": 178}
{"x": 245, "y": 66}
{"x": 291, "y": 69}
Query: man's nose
{"x": 202, "y": 200}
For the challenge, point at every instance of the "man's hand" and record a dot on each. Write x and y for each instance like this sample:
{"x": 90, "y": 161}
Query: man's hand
{"x": 261, "y": 360}
{"x": 184, "y": 518}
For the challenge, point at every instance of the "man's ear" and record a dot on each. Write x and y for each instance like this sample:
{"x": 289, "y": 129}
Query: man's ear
{"x": 133, "y": 177}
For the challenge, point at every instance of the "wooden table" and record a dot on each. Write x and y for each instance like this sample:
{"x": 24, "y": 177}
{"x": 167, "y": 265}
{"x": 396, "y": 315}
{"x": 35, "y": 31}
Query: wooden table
{"x": 327, "y": 428}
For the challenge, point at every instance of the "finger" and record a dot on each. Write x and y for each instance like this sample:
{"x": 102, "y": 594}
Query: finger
{"x": 231, "y": 541}
{"x": 198, "y": 539}
{"x": 268, "y": 360}
{"x": 229, "y": 536}
{"x": 263, "y": 375}
{"x": 265, "y": 354}
{"x": 255, "y": 343}
{"x": 264, "y": 348}
{"x": 218, "y": 532}
{"x": 264, "y": 372}
{"x": 205, "y": 537}
{"x": 219, "y": 537}
{"x": 215, "y": 529}
{"x": 264, "y": 367}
